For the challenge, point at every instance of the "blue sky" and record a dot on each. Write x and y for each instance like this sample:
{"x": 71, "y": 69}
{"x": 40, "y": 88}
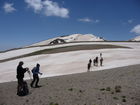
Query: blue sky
{"x": 23, "y": 22}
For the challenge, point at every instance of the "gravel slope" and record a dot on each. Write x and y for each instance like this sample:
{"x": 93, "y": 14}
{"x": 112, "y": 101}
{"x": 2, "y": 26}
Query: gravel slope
{"x": 89, "y": 88}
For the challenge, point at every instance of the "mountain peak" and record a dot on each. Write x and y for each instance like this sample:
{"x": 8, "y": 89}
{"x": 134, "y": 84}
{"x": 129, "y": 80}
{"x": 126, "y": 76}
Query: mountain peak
{"x": 70, "y": 38}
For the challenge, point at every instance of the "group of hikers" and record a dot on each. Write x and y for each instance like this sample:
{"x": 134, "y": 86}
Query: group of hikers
{"x": 22, "y": 88}
{"x": 95, "y": 62}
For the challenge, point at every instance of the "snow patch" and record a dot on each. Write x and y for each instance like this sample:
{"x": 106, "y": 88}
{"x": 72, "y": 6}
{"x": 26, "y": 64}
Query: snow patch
{"x": 72, "y": 38}
{"x": 72, "y": 62}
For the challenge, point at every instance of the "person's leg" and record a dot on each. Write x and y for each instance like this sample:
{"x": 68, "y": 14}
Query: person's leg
{"x": 37, "y": 80}
{"x": 20, "y": 85}
{"x": 101, "y": 63}
{"x": 34, "y": 78}
{"x": 88, "y": 67}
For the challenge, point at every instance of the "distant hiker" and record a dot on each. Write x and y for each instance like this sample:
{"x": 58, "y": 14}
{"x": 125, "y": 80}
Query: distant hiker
{"x": 100, "y": 54}
{"x": 101, "y": 61}
{"x": 22, "y": 88}
{"x": 90, "y": 61}
{"x": 35, "y": 72}
{"x": 89, "y": 64}
{"x": 96, "y": 61}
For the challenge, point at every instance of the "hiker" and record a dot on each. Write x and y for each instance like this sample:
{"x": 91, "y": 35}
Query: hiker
{"x": 96, "y": 61}
{"x": 101, "y": 61}
{"x": 90, "y": 61}
{"x": 35, "y": 72}
{"x": 20, "y": 76}
{"x": 100, "y": 54}
{"x": 89, "y": 64}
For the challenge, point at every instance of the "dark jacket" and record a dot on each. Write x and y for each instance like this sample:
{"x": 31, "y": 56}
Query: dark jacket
{"x": 35, "y": 71}
{"x": 20, "y": 72}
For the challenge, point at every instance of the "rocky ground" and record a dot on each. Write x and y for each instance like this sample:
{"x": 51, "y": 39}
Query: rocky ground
{"x": 119, "y": 86}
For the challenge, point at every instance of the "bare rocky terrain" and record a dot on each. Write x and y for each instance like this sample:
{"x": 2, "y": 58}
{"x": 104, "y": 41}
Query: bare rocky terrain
{"x": 119, "y": 86}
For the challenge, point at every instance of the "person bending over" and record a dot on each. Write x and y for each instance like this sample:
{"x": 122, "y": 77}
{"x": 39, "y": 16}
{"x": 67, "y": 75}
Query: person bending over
{"x": 20, "y": 75}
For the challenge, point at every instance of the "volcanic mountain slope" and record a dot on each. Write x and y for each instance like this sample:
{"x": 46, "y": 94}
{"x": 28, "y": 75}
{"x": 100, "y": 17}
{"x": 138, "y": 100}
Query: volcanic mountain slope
{"x": 70, "y": 58}
{"x": 70, "y": 38}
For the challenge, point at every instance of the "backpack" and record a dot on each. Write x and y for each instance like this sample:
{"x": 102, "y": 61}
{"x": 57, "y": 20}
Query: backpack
{"x": 23, "y": 89}
{"x": 33, "y": 70}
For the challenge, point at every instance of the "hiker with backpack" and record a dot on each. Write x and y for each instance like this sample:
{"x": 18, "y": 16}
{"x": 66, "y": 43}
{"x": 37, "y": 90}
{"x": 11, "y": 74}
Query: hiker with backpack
{"x": 22, "y": 88}
{"x": 95, "y": 61}
{"x": 35, "y": 72}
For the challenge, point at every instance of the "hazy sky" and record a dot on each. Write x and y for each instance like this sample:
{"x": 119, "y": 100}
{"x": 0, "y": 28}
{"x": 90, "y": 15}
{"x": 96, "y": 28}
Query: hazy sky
{"x": 23, "y": 22}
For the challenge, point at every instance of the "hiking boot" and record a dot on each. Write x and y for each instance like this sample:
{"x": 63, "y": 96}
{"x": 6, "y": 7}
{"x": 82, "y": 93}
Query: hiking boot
{"x": 37, "y": 86}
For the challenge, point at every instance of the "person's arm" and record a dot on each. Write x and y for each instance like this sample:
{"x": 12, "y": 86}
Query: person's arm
{"x": 40, "y": 73}
{"x": 37, "y": 71}
{"x": 22, "y": 70}
{"x": 25, "y": 69}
